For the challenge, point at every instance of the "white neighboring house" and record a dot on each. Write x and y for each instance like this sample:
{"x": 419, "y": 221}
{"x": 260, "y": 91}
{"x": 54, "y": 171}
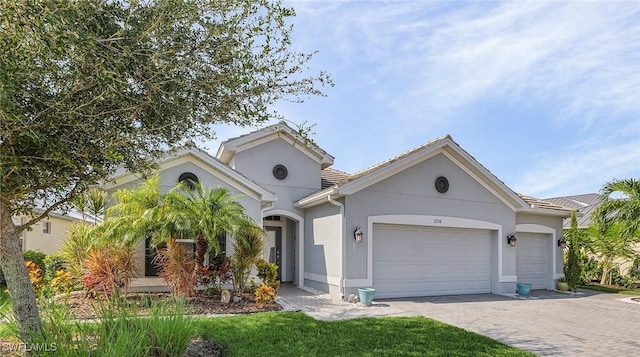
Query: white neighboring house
{"x": 47, "y": 235}
{"x": 430, "y": 221}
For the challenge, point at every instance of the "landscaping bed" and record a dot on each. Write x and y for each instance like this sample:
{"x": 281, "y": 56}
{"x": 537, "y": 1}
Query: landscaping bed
{"x": 204, "y": 303}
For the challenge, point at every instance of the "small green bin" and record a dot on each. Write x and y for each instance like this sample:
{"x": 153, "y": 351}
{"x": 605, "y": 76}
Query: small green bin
{"x": 524, "y": 289}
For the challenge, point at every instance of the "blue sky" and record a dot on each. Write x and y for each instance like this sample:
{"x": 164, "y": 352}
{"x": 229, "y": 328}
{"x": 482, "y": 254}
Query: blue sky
{"x": 546, "y": 95}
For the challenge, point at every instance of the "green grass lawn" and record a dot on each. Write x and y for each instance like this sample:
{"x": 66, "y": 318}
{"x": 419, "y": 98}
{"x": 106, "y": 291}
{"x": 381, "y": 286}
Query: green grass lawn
{"x": 296, "y": 334}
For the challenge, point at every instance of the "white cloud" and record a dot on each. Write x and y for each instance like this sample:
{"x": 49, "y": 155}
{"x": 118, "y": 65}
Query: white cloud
{"x": 582, "y": 168}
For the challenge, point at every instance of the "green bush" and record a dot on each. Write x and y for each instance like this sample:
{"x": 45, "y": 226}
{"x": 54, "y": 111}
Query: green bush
{"x": 592, "y": 271}
{"x": 52, "y": 263}
{"x": 37, "y": 257}
{"x": 120, "y": 330}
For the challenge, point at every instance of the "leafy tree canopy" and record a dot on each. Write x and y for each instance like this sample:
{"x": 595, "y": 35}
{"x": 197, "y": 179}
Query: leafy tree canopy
{"x": 88, "y": 86}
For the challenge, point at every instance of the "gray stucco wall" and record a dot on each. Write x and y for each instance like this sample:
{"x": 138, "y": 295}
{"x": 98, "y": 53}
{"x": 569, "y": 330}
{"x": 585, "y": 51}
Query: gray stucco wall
{"x": 322, "y": 245}
{"x": 303, "y": 172}
{"x": 412, "y": 192}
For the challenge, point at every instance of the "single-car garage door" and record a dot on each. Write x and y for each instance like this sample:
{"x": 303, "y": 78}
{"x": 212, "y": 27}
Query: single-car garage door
{"x": 424, "y": 261}
{"x": 531, "y": 259}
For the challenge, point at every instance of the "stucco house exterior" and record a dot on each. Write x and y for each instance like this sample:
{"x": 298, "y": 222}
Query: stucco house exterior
{"x": 430, "y": 221}
{"x": 47, "y": 235}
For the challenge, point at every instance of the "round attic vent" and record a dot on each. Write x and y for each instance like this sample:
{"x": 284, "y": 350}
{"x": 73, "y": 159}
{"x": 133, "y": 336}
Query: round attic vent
{"x": 280, "y": 172}
{"x": 442, "y": 184}
{"x": 189, "y": 179}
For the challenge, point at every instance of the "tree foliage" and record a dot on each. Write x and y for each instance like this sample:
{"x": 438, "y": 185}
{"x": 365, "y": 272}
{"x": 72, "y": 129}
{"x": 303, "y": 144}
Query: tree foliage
{"x": 89, "y": 86}
{"x": 624, "y": 210}
{"x": 573, "y": 268}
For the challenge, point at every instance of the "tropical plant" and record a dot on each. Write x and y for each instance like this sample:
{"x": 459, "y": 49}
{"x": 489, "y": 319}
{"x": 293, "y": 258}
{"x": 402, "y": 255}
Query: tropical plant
{"x": 52, "y": 264}
{"x": 80, "y": 240}
{"x": 573, "y": 269}
{"x": 607, "y": 246}
{"x": 35, "y": 275}
{"x": 109, "y": 269}
{"x": 202, "y": 214}
{"x": 62, "y": 282}
{"x": 247, "y": 249}
{"x": 137, "y": 214}
{"x": 36, "y": 257}
{"x": 177, "y": 268}
{"x": 92, "y": 86}
{"x": 268, "y": 273}
{"x": 91, "y": 204}
{"x": 623, "y": 210}
{"x": 265, "y": 295}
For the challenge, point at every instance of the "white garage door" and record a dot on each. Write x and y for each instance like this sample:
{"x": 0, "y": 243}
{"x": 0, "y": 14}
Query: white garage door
{"x": 531, "y": 259}
{"x": 423, "y": 261}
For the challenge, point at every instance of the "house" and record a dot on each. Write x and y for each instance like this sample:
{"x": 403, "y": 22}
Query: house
{"x": 430, "y": 221}
{"x": 585, "y": 205}
{"x": 47, "y": 235}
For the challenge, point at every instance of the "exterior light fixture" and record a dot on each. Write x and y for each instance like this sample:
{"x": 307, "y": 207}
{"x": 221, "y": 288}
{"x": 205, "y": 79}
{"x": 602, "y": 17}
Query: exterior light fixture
{"x": 357, "y": 234}
{"x": 562, "y": 243}
{"x": 511, "y": 239}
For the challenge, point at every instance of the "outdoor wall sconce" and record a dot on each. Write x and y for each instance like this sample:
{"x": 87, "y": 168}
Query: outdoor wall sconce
{"x": 562, "y": 243}
{"x": 357, "y": 234}
{"x": 511, "y": 239}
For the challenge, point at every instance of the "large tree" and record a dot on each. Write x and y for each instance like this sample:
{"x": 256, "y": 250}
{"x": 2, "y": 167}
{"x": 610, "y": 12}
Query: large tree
{"x": 88, "y": 86}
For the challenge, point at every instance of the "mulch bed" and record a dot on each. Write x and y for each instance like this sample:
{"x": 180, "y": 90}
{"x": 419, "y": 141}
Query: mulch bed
{"x": 203, "y": 303}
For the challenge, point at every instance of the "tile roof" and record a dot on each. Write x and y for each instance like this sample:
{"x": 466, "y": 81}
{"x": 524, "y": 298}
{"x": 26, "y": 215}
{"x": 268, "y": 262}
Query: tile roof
{"x": 543, "y": 204}
{"x": 331, "y": 177}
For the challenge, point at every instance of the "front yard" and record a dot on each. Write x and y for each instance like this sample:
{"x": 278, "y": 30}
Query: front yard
{"x": 296, "y": 334}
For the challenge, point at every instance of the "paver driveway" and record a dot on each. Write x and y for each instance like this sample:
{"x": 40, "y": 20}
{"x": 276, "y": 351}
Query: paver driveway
{"x": 593, "y": 324}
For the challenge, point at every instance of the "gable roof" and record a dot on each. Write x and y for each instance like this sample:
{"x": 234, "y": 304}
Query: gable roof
{"x": 211, "y": 164}
{"x": 281, "y": 130}
{"x": 584, "y": 204}
{"x": 443, "y": 145}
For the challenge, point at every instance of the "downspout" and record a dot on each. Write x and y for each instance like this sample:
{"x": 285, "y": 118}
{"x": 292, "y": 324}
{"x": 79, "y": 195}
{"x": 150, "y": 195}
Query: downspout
{"x": 342, "y": 238}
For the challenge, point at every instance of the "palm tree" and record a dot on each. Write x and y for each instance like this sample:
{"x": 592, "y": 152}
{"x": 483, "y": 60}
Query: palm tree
{"x": 136, "y": 215}
{"x": 203, "y": 214}
{"x": 624, "y": 210}
{"x": 607, "y": 247}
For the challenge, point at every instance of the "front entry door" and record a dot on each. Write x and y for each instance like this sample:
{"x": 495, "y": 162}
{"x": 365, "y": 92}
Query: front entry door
{"x": 273, "y": 247}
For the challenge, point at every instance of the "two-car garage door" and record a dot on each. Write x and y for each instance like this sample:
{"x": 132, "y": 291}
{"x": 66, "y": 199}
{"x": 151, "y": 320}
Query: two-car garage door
{"x": 423, "y": 261}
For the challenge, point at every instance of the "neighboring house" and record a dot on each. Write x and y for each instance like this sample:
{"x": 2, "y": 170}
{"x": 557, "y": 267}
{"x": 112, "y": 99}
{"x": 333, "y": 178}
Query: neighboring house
{"x": 431, "y": 221}
{"x": 47, "y": 235}
{"x": 585, "y": 205}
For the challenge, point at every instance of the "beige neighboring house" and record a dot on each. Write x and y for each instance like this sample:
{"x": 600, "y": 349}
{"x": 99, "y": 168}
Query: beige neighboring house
{"x": 585, "y": 205}
{"x": 47, "y": 235}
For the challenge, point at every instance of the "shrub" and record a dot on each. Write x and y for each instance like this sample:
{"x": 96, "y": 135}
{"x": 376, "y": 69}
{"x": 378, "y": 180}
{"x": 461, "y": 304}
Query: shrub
{"x": 52, "y": 264}
{"x": 218, "y": 273}
{"x": 177, "y": 268}
{"x": 76, "y": 247}
{"x": 62, "y": 282}
{"x": 265, "y": 295}
{"x": 247, "y": 248}
{"x": 109, "y": 269}
{"x": 35, "y": 275}
{"x": 36, "y": 257}
{"x": 268, "y": 273}
{"x": 119, "y": 331}
{"x": 592, "y": 271}
{"x": 634, "y": 271}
